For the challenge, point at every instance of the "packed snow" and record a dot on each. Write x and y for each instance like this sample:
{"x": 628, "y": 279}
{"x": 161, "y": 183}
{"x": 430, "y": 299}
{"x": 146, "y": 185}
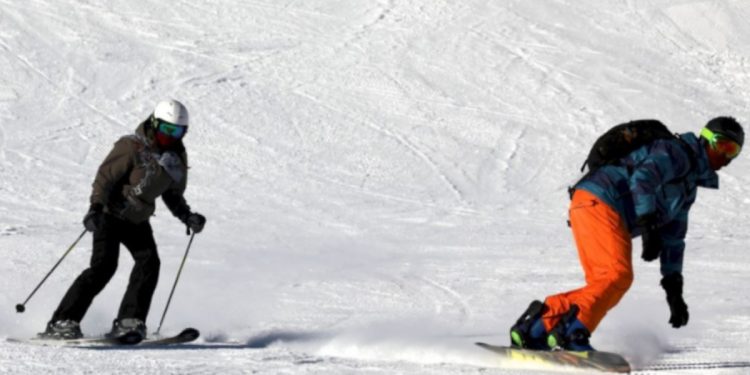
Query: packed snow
{"x": 384, "y": 181}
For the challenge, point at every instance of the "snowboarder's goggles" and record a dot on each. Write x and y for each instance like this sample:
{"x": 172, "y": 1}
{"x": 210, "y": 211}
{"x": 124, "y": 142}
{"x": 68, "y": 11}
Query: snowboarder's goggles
{"x": 172, "y": 130}
{"x": 721, "y": 143}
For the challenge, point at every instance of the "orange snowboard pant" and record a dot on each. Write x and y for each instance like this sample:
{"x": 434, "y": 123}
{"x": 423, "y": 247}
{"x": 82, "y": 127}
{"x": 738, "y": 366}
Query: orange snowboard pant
{"x": 604, "y": 250}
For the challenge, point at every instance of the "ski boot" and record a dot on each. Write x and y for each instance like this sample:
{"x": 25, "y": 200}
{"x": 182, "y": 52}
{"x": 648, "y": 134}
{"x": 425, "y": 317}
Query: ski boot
{"x": 127, "y": 326}
{"x": 570, "y": 334}
{"x": 63, "y": 329}
{"x": 529, "y": 332}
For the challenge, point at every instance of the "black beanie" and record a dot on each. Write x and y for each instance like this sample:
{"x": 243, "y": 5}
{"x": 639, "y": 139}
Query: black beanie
{"x": 728, "y": 127}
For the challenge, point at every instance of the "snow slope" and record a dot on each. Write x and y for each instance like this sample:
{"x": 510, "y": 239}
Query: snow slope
{"x": 384, "y": 181}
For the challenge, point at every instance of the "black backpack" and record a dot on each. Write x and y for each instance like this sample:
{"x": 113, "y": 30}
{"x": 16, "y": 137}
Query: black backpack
{"x": 619, "y": 141}
{"x": 623, "y": 139}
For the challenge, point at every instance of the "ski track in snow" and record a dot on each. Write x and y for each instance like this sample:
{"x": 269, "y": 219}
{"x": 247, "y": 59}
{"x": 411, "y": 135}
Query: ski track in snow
{"x": 384, "y": 181}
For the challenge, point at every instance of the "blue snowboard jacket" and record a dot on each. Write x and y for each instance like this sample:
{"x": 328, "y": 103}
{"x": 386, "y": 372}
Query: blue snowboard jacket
{"x": 660, "y": 178}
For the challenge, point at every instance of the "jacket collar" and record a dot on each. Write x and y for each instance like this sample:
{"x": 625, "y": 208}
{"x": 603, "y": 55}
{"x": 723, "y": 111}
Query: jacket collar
{"x": 706, "y": 177}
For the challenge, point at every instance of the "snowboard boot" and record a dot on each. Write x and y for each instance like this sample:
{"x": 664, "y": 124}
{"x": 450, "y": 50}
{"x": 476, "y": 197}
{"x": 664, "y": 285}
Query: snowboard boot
{"x": 529, "y": 332}
{"x": 64, "y": 329}
{"x": 570, "y": 334}
{"x": 122, "y": 327}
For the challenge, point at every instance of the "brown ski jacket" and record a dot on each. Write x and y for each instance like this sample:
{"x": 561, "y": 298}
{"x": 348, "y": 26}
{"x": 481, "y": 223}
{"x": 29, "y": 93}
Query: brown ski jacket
{"x": 136, "y": 172}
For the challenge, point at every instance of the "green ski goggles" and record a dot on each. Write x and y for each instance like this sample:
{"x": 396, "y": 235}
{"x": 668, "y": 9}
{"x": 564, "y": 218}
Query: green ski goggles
{"x": 171, "y": 130}
{"x": 721, "y": 143}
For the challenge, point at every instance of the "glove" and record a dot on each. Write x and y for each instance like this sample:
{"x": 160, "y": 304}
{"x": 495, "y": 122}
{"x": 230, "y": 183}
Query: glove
{"x": 678, "y": 309}
{"x": 94, "y": 219}
{"x": 651, "y": 238}
{"x": 194, "y": 222}
{"x": 651, "y": 245}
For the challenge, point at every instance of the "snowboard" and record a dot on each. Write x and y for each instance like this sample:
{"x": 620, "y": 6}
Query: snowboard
{"x": 129, "y": 339}
{"x": 592, "y": 360}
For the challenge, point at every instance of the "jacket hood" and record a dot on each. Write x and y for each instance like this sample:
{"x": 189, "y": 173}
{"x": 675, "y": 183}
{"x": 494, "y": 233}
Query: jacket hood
{"x": 145, "y": 134}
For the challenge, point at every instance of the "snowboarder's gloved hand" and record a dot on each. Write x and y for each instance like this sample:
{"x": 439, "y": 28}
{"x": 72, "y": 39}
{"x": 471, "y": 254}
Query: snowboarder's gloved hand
{"x": 672, "y": 284}
{"x": 651, "y": 245}
{"x": 651, "y": 238}
{"x": 94, "y": 218}
{"x": 194, "y": 222}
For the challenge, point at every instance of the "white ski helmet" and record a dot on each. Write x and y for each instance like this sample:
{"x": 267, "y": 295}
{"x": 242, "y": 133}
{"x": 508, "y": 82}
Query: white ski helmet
{"x": 171, "y": 111}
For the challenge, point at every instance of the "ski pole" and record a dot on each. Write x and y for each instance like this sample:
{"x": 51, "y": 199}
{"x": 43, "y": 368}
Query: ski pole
{"x": 179, "y": 271}
{"x": 21, "y": 307}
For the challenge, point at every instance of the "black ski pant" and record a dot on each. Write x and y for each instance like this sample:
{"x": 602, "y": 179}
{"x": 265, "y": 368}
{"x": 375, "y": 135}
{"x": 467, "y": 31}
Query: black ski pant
{"x": 139, "y": 240}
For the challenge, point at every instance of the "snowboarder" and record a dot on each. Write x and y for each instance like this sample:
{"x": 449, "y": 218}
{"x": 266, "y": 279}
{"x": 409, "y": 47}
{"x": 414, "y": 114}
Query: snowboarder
{"x": 140, "y": 168}
{"x": 649, "y": 194}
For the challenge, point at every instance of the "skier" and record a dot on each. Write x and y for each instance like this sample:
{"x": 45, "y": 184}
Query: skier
{"x": 649, "y": 194}
{"x": 140, "y": 168}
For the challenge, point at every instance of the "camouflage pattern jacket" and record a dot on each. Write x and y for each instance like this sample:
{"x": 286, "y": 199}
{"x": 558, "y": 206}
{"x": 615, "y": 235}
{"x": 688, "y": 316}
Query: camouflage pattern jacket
{"x": 660, "y": 178}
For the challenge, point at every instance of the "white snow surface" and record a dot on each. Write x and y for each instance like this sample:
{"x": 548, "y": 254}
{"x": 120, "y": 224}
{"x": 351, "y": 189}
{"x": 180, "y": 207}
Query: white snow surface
{"x": 384, "y": 181}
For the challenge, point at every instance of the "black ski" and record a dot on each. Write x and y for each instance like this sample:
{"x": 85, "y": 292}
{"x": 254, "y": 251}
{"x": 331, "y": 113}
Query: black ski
{"x": 187, "y": 335}
{"x": 128, "y": 339}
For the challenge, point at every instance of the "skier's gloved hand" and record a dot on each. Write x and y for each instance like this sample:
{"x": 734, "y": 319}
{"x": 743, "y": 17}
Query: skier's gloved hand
{"x": 672, "y": 284}
{"x": 194, "y": 222}
{"x": 94, "y": 219}
{"x": 651, "y": 238}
